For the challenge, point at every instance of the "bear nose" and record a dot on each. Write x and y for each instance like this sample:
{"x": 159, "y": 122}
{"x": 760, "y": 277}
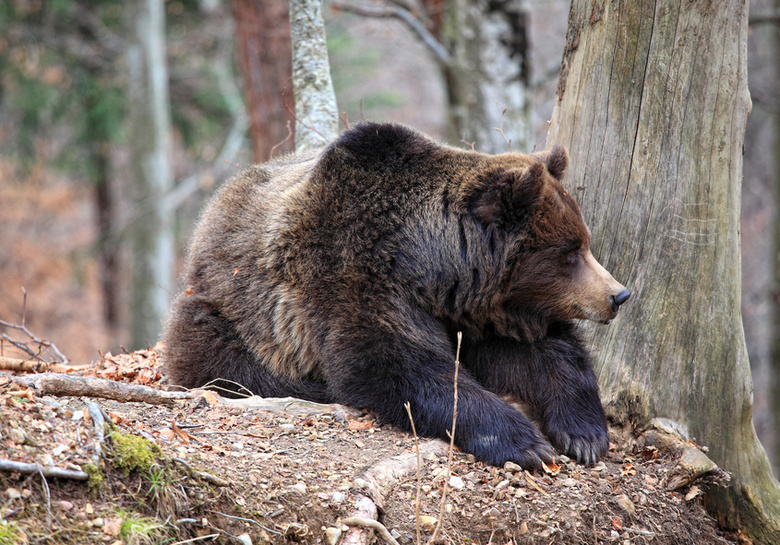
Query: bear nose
{"x": 619, "y": 299}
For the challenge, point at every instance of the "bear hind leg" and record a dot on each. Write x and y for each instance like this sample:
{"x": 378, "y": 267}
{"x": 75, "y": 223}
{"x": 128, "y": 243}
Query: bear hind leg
{"x": 202, "y": 348}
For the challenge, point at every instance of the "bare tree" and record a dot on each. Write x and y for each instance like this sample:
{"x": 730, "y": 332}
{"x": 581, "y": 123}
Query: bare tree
{"x": 481, "y": 47}
{"x": 315, "y": 101}
{"x": 151, "y": 234}
{"x": 652, "y": 104}
{"x": 264, "y": 51}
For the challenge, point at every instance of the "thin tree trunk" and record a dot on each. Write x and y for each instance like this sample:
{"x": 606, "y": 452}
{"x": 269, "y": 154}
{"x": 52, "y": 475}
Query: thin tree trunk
{"x": 488, "y": 74}
{"x": 652, "y": 104}
{"x": 774, "y": 361}
{"x": 315, "y": 101}
{"x": 265, "y": 51}
{"x": 152, "y": 247}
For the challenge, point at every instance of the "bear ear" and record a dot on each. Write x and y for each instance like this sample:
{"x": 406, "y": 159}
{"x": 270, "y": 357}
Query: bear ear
{"x": 507, "y": 196}
{"x": 556, "y": 159}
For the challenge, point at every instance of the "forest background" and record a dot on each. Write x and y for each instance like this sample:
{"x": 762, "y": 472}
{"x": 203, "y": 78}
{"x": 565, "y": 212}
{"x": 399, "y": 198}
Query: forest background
{"x": 67, "y": 208}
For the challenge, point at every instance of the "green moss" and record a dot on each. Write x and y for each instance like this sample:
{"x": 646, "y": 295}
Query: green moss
{"x": 96, "y": 477}
{"x": 133, "y": 453}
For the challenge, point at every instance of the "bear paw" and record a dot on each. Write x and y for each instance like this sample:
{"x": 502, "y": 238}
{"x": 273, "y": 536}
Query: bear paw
{"x": 528, "y": 450}
{"x": 586, "y": 446}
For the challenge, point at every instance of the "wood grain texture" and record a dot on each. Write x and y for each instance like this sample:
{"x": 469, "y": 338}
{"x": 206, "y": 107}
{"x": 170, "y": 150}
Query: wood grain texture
{"x": 652, "y": 105}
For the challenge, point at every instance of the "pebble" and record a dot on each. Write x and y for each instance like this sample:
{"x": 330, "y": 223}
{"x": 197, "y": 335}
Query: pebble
{"x": 332, "y": 535}
{"x": 428, "y": 522}
{"x": 626, "y": 504}
{"x": 300, "y": 488}
{"x": 13, "y": 493}
{"x": 512, "y": 467}
{"x": 456, "y": 482}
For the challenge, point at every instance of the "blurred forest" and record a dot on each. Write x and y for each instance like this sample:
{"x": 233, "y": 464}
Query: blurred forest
{"x": 69, "y": 207}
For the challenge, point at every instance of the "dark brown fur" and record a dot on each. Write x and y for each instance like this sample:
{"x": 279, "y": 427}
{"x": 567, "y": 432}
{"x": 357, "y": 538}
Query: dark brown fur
{"x": 343, "y": 276}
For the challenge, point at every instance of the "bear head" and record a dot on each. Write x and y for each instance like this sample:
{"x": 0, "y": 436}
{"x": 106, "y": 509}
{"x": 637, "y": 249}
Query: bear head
{"x": 551, "y": 274}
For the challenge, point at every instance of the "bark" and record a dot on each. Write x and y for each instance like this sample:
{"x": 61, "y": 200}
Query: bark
{"x": 152, "y": 244}
{"x": 652, "y": 104}
{"x": 488, "y": 74}
{"x": 315, "y": 101}
{"x": 264, "y": 51}
{"x": 774, "y": 41}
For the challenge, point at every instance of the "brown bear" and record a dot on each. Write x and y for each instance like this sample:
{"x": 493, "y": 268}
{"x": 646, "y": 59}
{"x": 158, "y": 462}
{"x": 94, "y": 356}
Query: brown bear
{"x": 344, "y": 276}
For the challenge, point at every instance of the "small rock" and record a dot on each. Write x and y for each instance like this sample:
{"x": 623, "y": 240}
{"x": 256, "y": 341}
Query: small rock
{"x": 88, "y": 509}
{"x": 300, "y": 488}
{"x": 65, "y": 505}
{"x": 396, "y": 534}
{"x": 287, "y": 427}
{"x": 512, "y": 467}
{"x": 332, "y": 535}
{"x": 569, "y": 482}
{"x": 338, "y": 497}
{"x": 456, "y": 482}
{"x": 427, "y": 522}
{"x": 245, "y": 539}
{"x": 13, "y": 493}
{"x": 98, "y": 522}
{"x": 361, "y": 483}
{"x": 16, "y": 435}
{"x": 626, "y": 504}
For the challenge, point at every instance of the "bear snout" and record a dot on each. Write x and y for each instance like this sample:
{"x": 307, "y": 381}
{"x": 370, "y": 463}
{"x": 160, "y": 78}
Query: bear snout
{"x": 616, "y": 300}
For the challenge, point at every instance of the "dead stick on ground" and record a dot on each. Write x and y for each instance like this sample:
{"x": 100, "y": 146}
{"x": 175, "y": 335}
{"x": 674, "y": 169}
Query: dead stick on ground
{"x": 31, "y": 366}
{"x": 371, "y": 524}
{"x": 408, "y": 408}
{"x": 46, "y": 471}
{"x": 70, "y": 385}
{"x": 437, "y": 530}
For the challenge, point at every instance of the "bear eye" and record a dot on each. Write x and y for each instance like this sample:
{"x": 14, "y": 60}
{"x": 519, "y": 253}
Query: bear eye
{"x": 573, "y": 257}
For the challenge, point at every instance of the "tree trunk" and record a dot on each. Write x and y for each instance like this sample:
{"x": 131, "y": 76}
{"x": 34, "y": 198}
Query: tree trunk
{"x": 652, "y": 104}
{"x": 264, "y": 51}
{"x": 488, "y": 74}
{"x": 772, "y": 35}
{"x": 315, "y": 101}
{"x": 152, "y": 247}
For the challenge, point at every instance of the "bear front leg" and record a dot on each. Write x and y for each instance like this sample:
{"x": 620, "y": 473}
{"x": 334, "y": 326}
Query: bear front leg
{"x": 386, "y": 371}
{"x": 554, "y": 378}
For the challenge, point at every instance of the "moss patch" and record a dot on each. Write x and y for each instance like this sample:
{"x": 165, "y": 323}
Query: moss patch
{"x": 133, "y": 453}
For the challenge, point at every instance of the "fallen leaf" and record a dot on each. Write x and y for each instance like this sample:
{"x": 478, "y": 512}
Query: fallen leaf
{"x": 617, "y": 524}
{"x": 356, "y": 425}
{"x": 552, "y": 468}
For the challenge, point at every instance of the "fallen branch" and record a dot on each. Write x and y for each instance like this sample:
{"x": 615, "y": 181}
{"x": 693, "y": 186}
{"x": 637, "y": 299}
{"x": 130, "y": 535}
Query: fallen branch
{"x": 370, "y": 524}
{"x": 32, "y": 366}
{"x": 70, "y": 385}
{"x": 46, "y": 471}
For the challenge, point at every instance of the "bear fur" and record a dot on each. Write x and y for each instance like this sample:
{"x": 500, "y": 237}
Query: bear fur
{"x": 344, "y": 276}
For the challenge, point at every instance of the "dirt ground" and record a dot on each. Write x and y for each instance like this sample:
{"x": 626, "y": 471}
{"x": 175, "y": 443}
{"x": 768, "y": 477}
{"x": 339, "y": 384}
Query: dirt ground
{"x": 288, "y": 472}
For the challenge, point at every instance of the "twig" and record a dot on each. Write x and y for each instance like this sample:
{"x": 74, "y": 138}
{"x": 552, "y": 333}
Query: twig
{"x": 252, "y": 521}
{"x": 208, "y": 477}
{"x": 468, "y": 143}
{"x": 500, "y": 129}
{"x": 286, "y": 138}
{"x": 70, "y": 385}
{"x": 47, "y": 492}
{"x": 439, "y": 51}
{"x": 43, "y": 345}
{"x": 408, "y": 408}
{"x": 99, "y": 427}
{"x": 437, "y": 530}
{"x": 371, "y": 525}
{"x": 46, "y": 471}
